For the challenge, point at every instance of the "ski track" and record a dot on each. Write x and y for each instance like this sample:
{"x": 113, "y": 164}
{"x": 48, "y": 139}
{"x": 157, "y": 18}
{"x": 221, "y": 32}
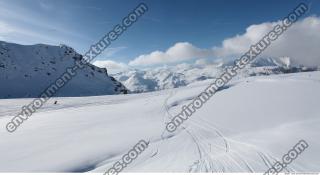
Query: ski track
{"x": 206, "y": 161}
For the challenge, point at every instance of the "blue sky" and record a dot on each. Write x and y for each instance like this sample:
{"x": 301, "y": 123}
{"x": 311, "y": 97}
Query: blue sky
{"x": 79, "y": 23}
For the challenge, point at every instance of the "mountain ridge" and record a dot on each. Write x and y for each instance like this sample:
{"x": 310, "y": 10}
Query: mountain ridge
{"x": 183, "y": 74}
{"x": 26, "y": 70}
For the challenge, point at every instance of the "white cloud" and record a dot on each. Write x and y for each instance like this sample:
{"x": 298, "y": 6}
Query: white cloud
{"x": 111, "y": 51}
{"x": 179, "y": 52}
{"x": 300, "y": 42}
{"x": 112, "y": 66}
{"x": 5, "y": 28}
{"x": 45, "y": 5}
{"x": 201, "y": 62}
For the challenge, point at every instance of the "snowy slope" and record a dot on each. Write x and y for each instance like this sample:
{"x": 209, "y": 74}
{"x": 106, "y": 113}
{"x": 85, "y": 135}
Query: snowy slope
{"x": 181, "y": 75}
{"x": 243, "y": 128}
{"x": 25, "y": 71}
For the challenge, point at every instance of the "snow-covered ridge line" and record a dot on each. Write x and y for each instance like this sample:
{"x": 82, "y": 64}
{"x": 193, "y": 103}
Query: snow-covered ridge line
{"x": 184, "y": 74}
{"x": 27, "y": 70}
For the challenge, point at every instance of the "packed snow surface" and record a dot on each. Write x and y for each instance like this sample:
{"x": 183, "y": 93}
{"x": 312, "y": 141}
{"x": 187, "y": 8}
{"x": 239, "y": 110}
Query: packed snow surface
{"x": 243, "y": 128}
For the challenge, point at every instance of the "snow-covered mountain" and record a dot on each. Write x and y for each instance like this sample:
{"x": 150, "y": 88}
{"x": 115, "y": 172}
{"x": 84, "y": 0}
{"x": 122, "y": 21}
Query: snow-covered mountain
{"x": 165, "y": 77}
{"x": 25, "y": 71}
{"x": 184, "y": 74}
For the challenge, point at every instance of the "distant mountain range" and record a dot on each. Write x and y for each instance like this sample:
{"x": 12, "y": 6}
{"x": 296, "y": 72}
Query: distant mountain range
{"x": 181, "y": 75}
{"x": 25, "y": 71}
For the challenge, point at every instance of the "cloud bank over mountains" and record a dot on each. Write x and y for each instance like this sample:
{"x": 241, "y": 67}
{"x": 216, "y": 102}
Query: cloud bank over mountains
{"x": 300, "y": 43}
{"x": 179, "y": 52}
